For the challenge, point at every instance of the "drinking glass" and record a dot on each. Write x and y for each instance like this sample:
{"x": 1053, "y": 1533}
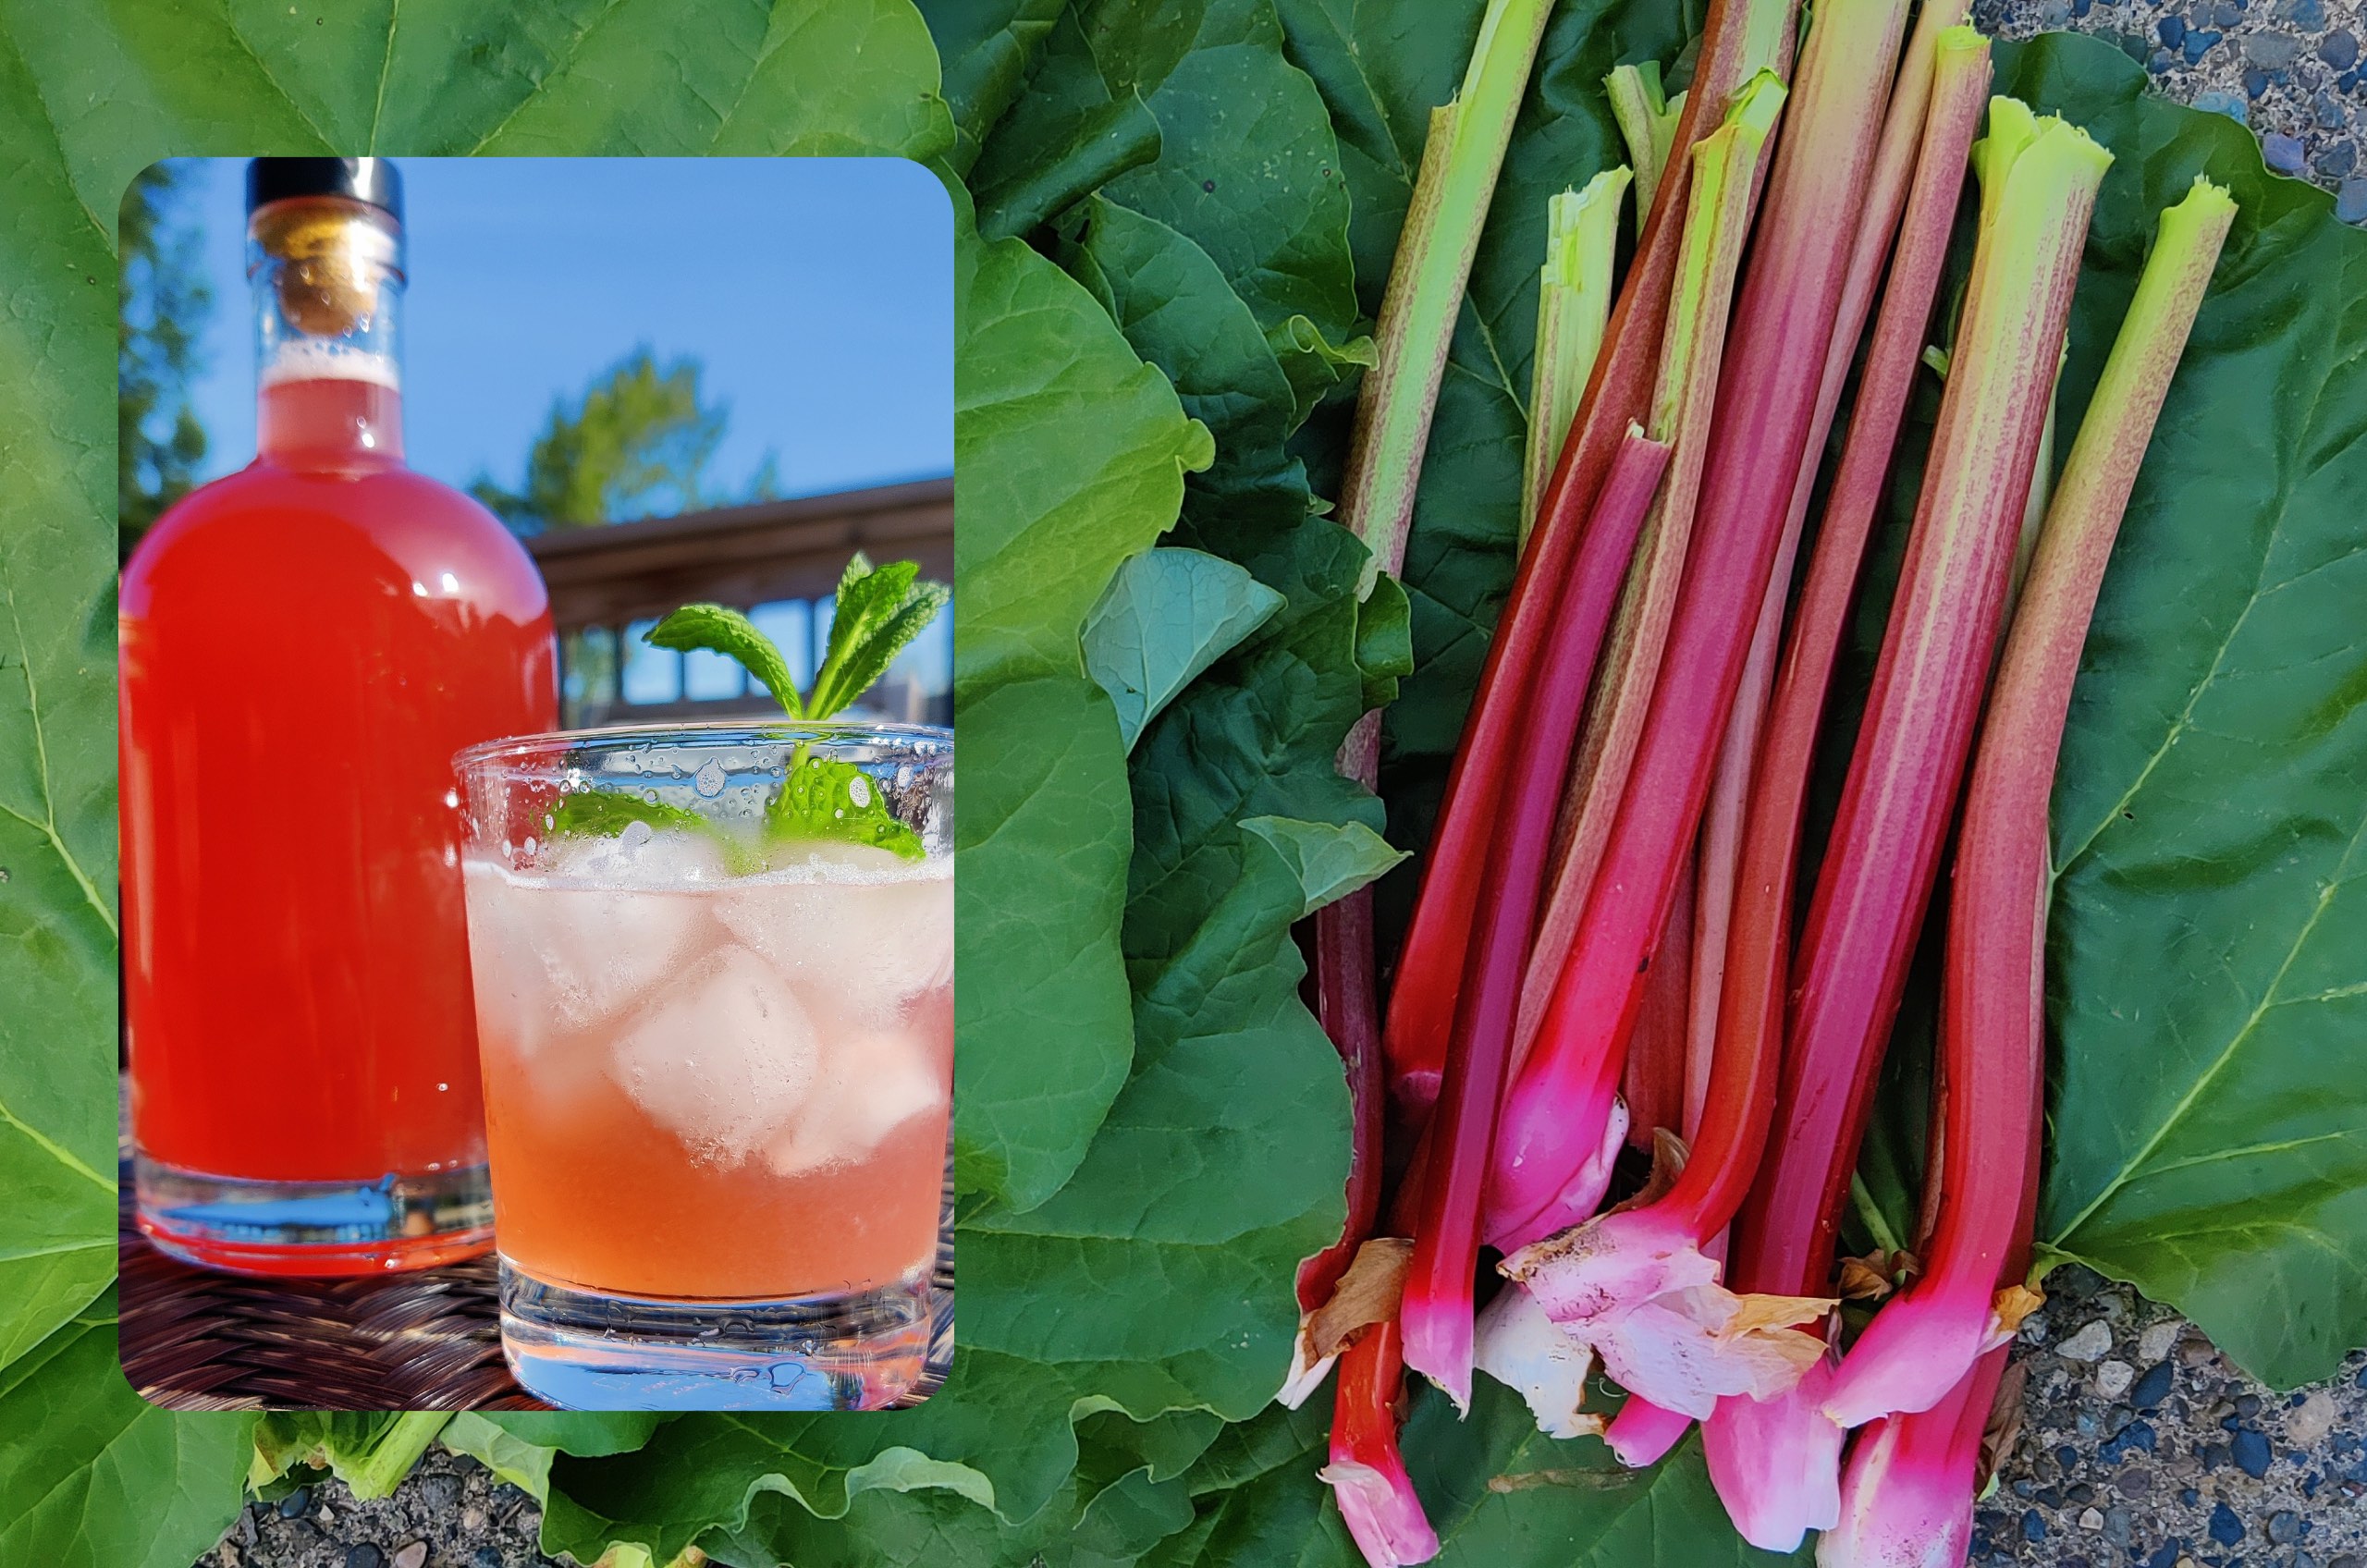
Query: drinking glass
{"x": 714, "y": 978}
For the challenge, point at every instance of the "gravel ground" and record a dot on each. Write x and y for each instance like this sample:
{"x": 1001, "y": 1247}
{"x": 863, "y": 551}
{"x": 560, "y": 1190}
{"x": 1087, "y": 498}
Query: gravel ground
{"x": 450, "y": 1513}
{"x": 2294, "y": 70}
{"x": 2139, "y": 1444}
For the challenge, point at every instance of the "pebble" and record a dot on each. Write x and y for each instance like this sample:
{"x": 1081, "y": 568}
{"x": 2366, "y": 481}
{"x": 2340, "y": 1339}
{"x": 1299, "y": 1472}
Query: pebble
{"x": 472, "y": 1519}
{"x": 2152, "y": 1387}
{"x": 2197, "y": 44}
{"x": 2091, "y": 1519}
{"x": 2311, "y": 1420}
{"x": 2088, "y": 1344}
{"x": 363, "y": 1556}
{"x": 2225, "y": 1528}
{"x": 2284, "y": 1526}
{"x": 2281, "y": 153}
{"x": 486, "y": 1557}
{"x": 2273, "y": 51}
{"x": 292, "y": 1506}
{"x": 2329, "y": 111}
{"x": 2339, "y": 49}
{"x": 2338, "y": 159}
{"x": 2307, "y": 15}
{"x": 2219, "y": 102}
{"x": 2033, "y": 1528}
{"x": 328, "y": 1520}
{"x": 2170, "y": 31}
{"x": 2113, "y": 1378}
{"x": 411, "y": 1556}
{"x": 2251, "y": 1453}
{"x": 2158, "y": 1340}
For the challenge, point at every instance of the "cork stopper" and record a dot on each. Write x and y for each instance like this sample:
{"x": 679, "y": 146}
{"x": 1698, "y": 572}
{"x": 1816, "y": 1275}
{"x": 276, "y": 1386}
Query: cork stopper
{"x": 335, "y": 256}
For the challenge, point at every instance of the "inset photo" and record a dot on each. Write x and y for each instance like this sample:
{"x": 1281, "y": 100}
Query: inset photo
{"x": 536, "y": 783}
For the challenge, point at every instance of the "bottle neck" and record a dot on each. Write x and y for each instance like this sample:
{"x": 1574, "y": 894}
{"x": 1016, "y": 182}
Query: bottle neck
{"x": 328, "y": 280}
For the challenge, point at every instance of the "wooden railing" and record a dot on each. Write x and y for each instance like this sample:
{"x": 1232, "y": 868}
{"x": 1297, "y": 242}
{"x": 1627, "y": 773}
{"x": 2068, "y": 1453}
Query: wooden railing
{"x": 604, "y": 579}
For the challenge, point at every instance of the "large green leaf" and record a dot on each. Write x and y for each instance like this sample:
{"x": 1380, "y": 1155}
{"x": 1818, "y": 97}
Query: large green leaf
{"x": 1499, "y": 1494}
{"x": 986, "y": 49}
{"x": 57, "y": 806}
{"x": 1168, "y": 616}
{"x": 1069, "y": 457}
{"x": 1043, "y": 837}
{"x": 2208, "y": 953}
{"x": 1245, "y": 166}
{"x": 92, "y": 1476}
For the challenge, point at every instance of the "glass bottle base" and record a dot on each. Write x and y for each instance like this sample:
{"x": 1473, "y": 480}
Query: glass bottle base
{"x": 244, "y": 1226}
{"x": 588, "y": 1350}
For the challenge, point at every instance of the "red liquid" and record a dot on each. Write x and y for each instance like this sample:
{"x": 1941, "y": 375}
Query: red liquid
{"x": 305, "y": 643}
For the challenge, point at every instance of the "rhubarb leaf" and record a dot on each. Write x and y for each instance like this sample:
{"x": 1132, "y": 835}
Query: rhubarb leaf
{"x": 1041, "y": 844}
{"x": 1167, "y": 614}
{"x": 1069, "y": 457}
{"x": 1500, "y": 1494}
{"x": 1245, "y": 166}
{"x": 2208, "y": 950}
{"x": 986, "y": 50}
{"x": 92, "y": 1474}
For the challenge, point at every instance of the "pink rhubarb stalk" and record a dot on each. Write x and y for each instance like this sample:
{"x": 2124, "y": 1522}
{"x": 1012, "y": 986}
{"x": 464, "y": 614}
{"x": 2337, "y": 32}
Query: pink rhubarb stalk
{"x": 1783, "y": 320}
{"x": 1907, "y": 1500}
{"x": 1596, "y": 1276}
{"x": 1753, "y": 1004}
{"x": 2039, "y": 180}
{"x": 1737, "y": 38}
{"x": 1347, "y": 1002}
{"x": 1367, "y": 1473}
{"x": 1436, "y": 1314}
{"x": 1654, "y": 1085}
{"x": 1992, "y": 1026}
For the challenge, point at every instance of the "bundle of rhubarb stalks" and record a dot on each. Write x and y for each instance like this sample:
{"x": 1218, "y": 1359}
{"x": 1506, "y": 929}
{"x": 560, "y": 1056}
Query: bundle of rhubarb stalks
{"x": 1624, "y": 933}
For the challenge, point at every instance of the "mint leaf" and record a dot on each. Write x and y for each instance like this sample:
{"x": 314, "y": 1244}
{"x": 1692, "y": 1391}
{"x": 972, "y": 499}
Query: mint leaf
{"x": 727, "y": 631}
{"x": 838, "y": 802}
{"x": 878, "y": 613}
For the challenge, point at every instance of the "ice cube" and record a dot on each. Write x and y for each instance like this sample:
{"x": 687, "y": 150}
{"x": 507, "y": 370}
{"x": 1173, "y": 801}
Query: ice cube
{"x": 869, "y": 1085}
{"x": 721, "y": 1057}
{"x": 640, "y": 857}
{"x": 515, "y": 1008}
{"x": 860, "y": 934}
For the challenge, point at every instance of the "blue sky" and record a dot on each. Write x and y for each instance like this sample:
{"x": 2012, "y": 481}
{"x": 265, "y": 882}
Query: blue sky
{"x": 817, "y": 291}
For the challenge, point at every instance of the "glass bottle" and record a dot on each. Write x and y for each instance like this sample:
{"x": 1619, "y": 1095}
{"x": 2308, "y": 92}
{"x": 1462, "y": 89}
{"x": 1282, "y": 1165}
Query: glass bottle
{"x": 304, "y": 645}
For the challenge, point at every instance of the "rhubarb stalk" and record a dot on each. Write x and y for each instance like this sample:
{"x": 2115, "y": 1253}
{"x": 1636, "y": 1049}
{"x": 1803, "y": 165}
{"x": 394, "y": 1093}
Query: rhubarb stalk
{"x": 1746, "y": 992}
{"x": 1646, "y": 122}
{"x": 1783, "y": 316}
{"x": 1573, "y": 302}
{"x": 1437, "y": 1311}
{"x": 1368, "y": 1473}
{"x": 1907, "y": 1500}
{"x": 1994, "y": 1027}
{"x": 1347, "y": 1002}
{"x": 1738, "y": 37}
{"x": 2039, "y": 180}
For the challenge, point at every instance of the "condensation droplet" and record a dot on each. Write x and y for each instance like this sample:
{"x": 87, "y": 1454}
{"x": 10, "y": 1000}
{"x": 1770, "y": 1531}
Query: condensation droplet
{"x": 859, "y": 789}
{"x": 710, "y": 778}
{"x": 452, "y": 799}
{"x": 530, "y": 845}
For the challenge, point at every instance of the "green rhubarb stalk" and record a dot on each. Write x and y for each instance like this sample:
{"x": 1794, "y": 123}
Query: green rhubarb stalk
{"x": 1717, "y": 221}
{"x": 1460, "y": 162}
{"x": 1648, "y": 123}
{"x": 1573, "y": 303}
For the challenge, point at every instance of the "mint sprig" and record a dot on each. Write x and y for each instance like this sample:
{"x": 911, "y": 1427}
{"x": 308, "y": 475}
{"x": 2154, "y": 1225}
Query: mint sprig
{"x": 879, "y": 611}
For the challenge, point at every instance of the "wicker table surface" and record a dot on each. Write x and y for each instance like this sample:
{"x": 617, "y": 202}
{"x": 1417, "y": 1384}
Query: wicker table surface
{"x": 196, "y": 1339}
